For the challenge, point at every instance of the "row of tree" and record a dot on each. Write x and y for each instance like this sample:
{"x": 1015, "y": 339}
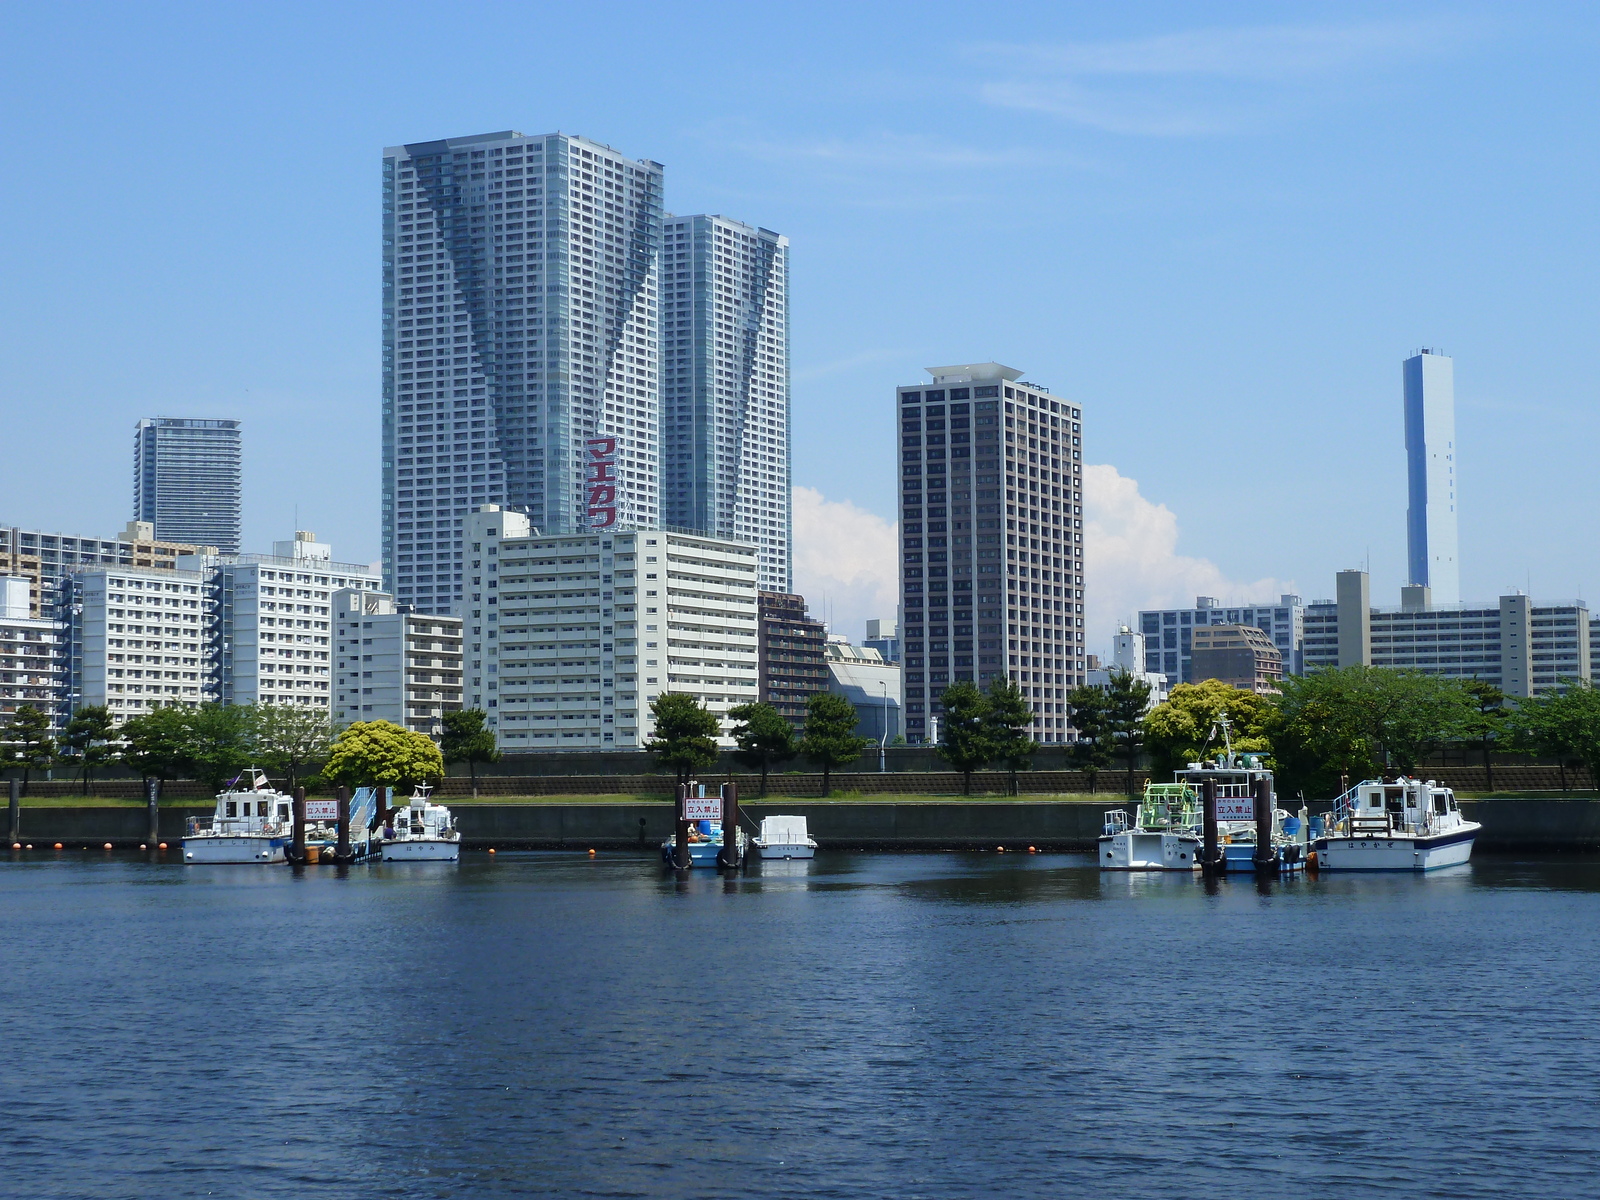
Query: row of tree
{"x": 686, "y": 733}
{"x": 215, "y": 742}
{"x": 1355, "y": 722}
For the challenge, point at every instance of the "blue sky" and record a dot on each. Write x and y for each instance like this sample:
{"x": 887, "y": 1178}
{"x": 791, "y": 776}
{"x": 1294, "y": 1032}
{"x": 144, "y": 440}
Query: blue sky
{"x": 1220, "y": 228}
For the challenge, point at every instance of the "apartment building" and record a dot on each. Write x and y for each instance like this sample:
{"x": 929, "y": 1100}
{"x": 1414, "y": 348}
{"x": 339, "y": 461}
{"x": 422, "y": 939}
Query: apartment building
{"x": 270, "y": 628}
{"x": 393, "y": 664}
{"x": 135, "y": 639}
{"x": 569, "y": 637}
{"x": 792, "y": 661}
{"x": 188, "y": 480}
{"x": 1522, "y": 646}
{"x": 43, "y": 558}
{"x": 32, "y": 667}
{"x": 991, "y": 521}
{"x": 1241, "y": 656}
{"x": 1168, "y": 632}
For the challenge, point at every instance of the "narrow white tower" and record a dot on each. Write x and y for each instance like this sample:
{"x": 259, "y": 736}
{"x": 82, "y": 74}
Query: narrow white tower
{"x": 1431, "y": 540}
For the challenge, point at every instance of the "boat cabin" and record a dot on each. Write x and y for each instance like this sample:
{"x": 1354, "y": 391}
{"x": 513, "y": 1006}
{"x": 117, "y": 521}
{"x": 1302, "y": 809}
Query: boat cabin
{"x": 1377, "y": 805}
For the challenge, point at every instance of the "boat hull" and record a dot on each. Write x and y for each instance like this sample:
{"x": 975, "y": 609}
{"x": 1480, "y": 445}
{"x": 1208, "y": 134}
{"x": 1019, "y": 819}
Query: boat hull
{"x": 235, "y": 848}
{"x": 701, "y": 854}
{"x": 422, "y": 850}
{"x": 1138, "y": 850}
{"x": 786, "y": 850}
{"x": 1396, "y": 852}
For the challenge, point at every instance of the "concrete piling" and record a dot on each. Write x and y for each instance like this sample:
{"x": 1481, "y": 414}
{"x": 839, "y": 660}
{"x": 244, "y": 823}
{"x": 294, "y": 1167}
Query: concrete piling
{"x": 1210, "y": 851}
{"x": 16, "y": 811}
{"x": 341, "y": 849}
{"x": 729, "y": 855}
{"x": 680, "y": 849}
{"x": 1266, "y": 856}
{"x": 297, "y": 847}
{"x": 152, "y": 808}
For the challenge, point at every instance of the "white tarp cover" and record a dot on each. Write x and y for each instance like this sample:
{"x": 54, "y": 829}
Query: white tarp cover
{"x": 783, "y": 831}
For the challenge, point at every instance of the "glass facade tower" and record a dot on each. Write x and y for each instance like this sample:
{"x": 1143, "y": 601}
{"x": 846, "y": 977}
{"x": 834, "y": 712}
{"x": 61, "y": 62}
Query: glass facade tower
{"x": 1431, "y": 537}
{"x": 520, "y": 345}
{"x": 187, "y": 480}
{"x": 725, "y": 386}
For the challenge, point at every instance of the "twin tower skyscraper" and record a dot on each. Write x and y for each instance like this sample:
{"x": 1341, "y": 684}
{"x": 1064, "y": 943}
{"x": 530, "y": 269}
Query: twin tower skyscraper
{"x": 555, "y": 342}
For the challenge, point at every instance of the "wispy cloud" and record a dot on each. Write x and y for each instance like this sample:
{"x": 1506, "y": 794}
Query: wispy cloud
{"x": 1203, "y": 81}
{"x": 846, "y": 561}
{"x": 865, "y": 358}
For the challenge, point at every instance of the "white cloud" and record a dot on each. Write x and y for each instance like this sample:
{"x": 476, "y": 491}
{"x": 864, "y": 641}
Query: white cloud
{"x": 1206, "y": 80}
{"x": 1131, "y": 560}
{"x": 846, "y": 562}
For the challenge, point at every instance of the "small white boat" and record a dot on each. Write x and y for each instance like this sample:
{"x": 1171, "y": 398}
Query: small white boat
{"x": 1406, "y": 825}
{"x": 784, "y": 837}
{"x": 422, "y": 831}
{"x": 1164, "y": 836}
{"x": 250, "y": 825}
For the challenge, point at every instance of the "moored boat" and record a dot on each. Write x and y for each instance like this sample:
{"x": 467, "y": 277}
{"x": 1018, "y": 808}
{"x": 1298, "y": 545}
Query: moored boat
{"x": 705, "y": 844}
{"x": 1399, "y": 825}
{"x": 784, "y": 837}
{"x": 250, "y": 825}
{"x": 1164, "y": 834}
{"x": 422, "y": 831}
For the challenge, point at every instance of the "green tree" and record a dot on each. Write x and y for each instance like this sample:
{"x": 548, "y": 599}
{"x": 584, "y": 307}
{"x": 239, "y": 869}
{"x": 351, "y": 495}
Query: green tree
{"x": 290, "y": 739}
{"x": 467, "y": 739}
{"x": 1564, "y": 725}
{"x": 1127, "y": 700}
{"x": 1487, "y": 725}
{"x": 765, "y": 738}
{"x": 86, "y": 740}
{"x": 220, "y": 743}
{"x": 966, "y": 743}
{"x": 1183, "y": 728}
{"x": 156, "y": 743}
{"x": 829, "y": 736}
{"x": 25, "y": 742}
{"x": 1359, "y": 721}
{"x": 1091, "y": 753}
{"x": 685, "y": 736}
{"x": 1007, "y": 718}
{"x": 383, "y": 754}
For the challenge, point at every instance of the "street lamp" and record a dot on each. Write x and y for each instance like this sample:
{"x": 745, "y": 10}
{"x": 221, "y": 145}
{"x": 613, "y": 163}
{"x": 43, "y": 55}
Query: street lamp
{"x": 884, "y": 740}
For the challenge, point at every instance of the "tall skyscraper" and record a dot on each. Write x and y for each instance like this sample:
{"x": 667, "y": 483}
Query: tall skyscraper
{"x": 187, "y": 480}
{"x": 991, "y": 518}
{"x": 520, "y": 327}
{"x": 725, "y": 386}
{"x": 1431, "y": 543}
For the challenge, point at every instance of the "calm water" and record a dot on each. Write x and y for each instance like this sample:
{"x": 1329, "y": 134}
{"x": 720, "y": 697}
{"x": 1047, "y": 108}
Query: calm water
{"x": 861, "y": 1026}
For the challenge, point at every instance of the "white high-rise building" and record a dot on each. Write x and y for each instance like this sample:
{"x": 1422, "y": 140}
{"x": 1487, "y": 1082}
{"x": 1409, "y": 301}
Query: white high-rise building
{"x": 270, "y": 621}
{"x": 32, "y": 667}
{"x": 570, "y": 637}
{"x": 1431, "y": 541}
{"x": 136, "y": 639}
{"x": 991, "y": 518}
{"x": 725, "y": 386}
{"x": 520, "y": 325}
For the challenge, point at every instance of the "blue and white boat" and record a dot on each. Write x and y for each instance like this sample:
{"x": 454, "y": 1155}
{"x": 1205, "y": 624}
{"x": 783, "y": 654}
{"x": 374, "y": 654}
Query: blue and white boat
{"x": 705, "y": 843}
{"x": 1403, "y": 825}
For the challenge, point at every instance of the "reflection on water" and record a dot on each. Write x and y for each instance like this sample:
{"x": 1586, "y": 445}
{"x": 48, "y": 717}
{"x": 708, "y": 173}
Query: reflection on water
{"x": 855, "y": 1025}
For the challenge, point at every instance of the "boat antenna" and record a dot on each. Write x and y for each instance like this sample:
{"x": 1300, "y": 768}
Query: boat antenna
{"x": 1227, "y": 739}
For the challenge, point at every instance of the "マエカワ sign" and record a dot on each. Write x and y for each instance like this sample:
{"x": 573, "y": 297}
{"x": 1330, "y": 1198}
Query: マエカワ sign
{"x": 600, "y": 481}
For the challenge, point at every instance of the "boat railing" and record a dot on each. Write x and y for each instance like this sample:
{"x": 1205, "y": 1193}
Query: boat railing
{"x": 194, "y": 825}
{"x": 1116, "y": 821}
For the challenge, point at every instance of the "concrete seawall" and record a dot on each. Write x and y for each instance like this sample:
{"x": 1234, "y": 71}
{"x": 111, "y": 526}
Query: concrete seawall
{"x": 1509, "y": 824}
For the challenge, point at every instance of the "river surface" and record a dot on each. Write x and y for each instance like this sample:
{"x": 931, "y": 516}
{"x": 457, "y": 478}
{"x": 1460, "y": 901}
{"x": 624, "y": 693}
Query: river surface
{"x": 861, "y": 1026}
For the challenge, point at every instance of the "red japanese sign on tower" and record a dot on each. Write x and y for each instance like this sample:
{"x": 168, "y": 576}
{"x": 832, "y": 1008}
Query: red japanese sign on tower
{"x": 600, "y": 481}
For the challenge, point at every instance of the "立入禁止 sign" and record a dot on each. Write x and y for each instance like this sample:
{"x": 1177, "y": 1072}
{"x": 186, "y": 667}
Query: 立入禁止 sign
{"x": 703, "y": 808}
{"x": 322, "y": 810}
{"x": 600, "y": 481}
{"x": 1236, "y": 808}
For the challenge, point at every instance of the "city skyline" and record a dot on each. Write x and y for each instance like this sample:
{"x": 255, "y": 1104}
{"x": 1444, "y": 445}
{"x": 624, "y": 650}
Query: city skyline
{"x": 1254, "y": 193}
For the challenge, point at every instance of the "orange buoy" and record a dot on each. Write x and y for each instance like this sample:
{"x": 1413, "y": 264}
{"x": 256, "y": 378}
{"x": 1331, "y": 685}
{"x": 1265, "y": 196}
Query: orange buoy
{"x": 58, "y": 845}
{"x": 591, "y": 852}
{"x": 491, "y": 849}
{"x": 142, "y": 846}
{"x": 16, "y": 845}
{"x": 999, "y": 849}
{"x": 108, "y": 845}
{"x": 30, "y": 845}
{"x": 163, "y": 846}
{"x": 1031, "y": 850}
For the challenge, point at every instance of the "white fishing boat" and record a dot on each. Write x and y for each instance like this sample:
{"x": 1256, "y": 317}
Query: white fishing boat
{"x": 1404, "y": 825}
{"x": 422, "y": 831}
{"x": 784, "y": 837}
{"x": 250, "y": 825}
{"x": 1163, "y": 836}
